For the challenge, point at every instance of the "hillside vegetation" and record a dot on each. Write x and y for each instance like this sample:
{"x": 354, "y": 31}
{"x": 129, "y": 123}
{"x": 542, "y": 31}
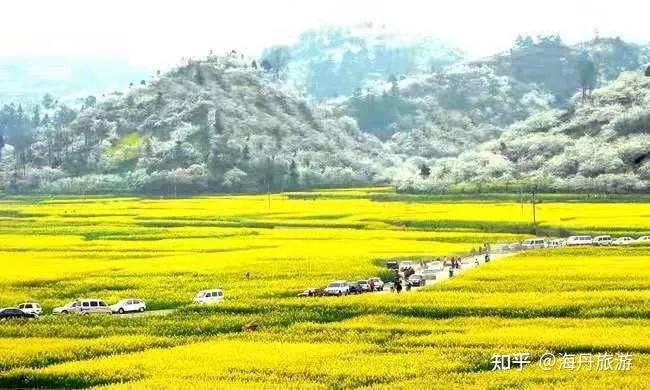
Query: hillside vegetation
{"x": 212, "y": 124}
{"x": 602, "y": 143}
{"x": 348, "y": 107}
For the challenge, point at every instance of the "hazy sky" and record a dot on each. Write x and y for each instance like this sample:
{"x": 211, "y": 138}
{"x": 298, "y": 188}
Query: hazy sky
{"x": 154, "y": 31}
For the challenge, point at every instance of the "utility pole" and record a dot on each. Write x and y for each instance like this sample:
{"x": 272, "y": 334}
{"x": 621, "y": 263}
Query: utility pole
{"x": 534, "y": 213}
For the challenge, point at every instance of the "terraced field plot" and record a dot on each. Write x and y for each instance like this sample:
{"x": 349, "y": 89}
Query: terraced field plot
{"x": 564, "y": 300}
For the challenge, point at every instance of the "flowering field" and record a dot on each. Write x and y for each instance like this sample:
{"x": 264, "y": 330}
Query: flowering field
{"x": 576, "y": 301}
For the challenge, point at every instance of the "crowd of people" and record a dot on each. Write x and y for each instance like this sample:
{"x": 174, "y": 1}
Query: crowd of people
{"x": 401, "y": 282}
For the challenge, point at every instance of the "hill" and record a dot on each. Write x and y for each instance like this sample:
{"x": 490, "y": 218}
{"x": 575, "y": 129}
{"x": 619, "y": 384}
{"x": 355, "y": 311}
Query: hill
{"x": 336, "y": 61}
{"x": 214, "y": 124}
{"x": 601, "y": 143}
{"x": 553, "y": 65}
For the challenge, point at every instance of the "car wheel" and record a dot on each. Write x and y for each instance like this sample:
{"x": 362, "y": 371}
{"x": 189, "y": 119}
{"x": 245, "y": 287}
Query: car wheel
{"x": 141, "y": 310}
{"x": 86, "y": 313}
{"x": 64, "y": 312}
{"x": 120, "y": 310}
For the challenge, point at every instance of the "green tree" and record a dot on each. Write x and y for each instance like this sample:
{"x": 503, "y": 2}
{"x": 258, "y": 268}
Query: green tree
{"x": 48, "y": 101}
{"x": 294, "y": 176}
{"x": 587, "y": 74}
{"x": 523, "y": 42}
{"x": 425, "y": 171}
{"x": 275, "y": 60}
{"x": 199, "y": 78}
{"x": 89, "y": 102}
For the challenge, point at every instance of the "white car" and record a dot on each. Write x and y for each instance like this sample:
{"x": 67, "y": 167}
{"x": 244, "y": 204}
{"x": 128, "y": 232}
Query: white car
{"x": 602, "y": 240}
{"x": 558, "y": 242}
{"x": 339, "y": 287}
{"x": 129, "y": 305}
{"x": 364, "y": 285}
{"x": 84, "y": 306}
{"x": 624, "y": 241}
{"x": 534, "y": 243}
{"x": 205, "y": 297}
{"x": 429, "y": 274}
{"x": 643, "y": 239}
{"x": 378, "y": 283}
{"x": 579, "y": 240}
{"x": 31, "y": 308}
{"x": 435, "y": 266}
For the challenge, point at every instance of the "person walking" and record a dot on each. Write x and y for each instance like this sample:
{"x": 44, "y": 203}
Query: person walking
{"x": 371, "y": 283}
{"x": 398, "y": 286}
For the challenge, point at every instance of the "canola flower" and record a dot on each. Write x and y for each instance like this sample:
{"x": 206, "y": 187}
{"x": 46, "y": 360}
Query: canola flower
{"x": 56, "y": 250}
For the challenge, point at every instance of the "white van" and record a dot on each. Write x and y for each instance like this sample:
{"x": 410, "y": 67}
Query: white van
{"x": 602, "y": 240}
{"x": 579, "y": 240}
{"x": 209, "y": 296}
{"x": 533, "y": 243}
{"x": 435, "y": 266}
{"x": 84, "y": 306}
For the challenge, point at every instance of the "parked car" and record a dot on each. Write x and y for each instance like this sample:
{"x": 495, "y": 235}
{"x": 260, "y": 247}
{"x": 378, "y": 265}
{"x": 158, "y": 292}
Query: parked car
{"x": 31, "y": 307}
{"x": 404, "y": 265}
{"x": 311, "y": 292}
{"x": 355, "y": 288}
{"x": 624, "y": 241}
{"x": 10, "y": 313}
{"x": 643, "y": 239}
{"x": 416, "y": 280}
{"x": 339, "y": 287}
{"x": 129, "y": 305}
{"x": 429, "y": 274}
{"x": 392, "y": 265}
{"x": 558, "y": 242}
{"x": 84, "y": 306}
{"x": 68, "y": 308}
{"x": 206, "y": 297}
{"x": 602, "y": 240}
{"x": 364, "y": 285}
{"x": 378, "y": 283}
{"x": 579, "y": 240}
{"x": 534, "y": 243}
{"x": 435, "y": 266}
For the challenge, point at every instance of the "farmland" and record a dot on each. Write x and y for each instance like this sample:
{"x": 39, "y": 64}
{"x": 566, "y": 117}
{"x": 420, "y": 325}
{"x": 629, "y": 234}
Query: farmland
{"x": 574, "y": 300}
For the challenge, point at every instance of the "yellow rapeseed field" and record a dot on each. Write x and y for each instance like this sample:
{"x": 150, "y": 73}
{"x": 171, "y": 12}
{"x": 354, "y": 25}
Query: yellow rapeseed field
{"x": 570, "y": 300}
